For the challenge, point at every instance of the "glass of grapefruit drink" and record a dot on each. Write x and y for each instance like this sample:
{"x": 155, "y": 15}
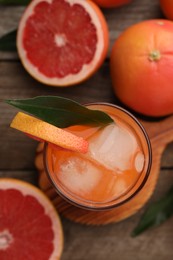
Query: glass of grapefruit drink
{"x": 112, "y": 171}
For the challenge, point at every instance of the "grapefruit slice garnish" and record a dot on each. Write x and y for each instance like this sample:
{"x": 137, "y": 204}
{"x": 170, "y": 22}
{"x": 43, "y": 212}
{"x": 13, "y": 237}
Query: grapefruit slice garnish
{"x": 29, "y": 223}
{"x": 62, "y": 42}
{"x": 46, "y": 132}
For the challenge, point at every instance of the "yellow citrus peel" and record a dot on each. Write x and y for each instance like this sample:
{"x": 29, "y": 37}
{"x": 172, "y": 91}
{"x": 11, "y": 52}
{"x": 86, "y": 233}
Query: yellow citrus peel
{"x": 49, "y": 133}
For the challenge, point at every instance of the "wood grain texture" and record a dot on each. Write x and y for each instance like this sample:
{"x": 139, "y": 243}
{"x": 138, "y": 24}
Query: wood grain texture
{"x": 17, "y": 152}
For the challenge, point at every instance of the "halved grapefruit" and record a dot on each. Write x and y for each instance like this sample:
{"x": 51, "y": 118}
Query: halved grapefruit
{"x": 30, "y": 227}
{"x": 62, "y": 42}
{"x": 43, "y": 131}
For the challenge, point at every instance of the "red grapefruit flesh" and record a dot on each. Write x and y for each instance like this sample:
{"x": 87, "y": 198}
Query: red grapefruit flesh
{"x": 62, "y": 42}
{"x": 111, "y": 3}
{"x": 30, "y": 227}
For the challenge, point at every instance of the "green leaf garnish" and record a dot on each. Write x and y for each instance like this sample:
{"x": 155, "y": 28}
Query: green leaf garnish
{"x": 14, "y": 2}
{"x": 61, "y": 112}
{"x": 8, "y": 41}
{"x": 156, "y": 214}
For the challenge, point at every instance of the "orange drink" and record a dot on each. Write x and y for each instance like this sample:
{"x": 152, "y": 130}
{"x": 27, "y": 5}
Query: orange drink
{"x": 114, "y": 169}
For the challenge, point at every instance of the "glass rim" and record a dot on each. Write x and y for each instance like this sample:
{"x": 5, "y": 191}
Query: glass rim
{"x": 113, "y": 205}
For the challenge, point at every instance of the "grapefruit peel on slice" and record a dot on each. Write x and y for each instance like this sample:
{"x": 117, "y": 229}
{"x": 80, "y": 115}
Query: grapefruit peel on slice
{"x": 44, "y": 131}
{"x": 62, "y": 38}
{"x": 28, "y": 197}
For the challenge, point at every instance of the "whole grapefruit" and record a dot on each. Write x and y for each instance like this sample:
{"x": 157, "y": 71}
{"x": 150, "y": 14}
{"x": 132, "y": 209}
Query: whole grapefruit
{"x": 142, "y": 67}
{"x": 62, "y": 42}
{"x": 167, "y": 8}
{"x": 30, "y": 227}
{"x": 111, "y": 3}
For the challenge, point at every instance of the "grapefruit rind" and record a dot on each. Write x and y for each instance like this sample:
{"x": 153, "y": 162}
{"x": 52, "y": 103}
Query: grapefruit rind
{"x": 49, "y": 133}
{"x": 28, "y": 189}
{"x": 100, "y": 24}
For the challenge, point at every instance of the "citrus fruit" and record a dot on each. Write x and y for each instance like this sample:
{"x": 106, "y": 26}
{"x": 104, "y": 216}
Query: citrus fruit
{"x": 30, "y": 227}
{"x": 142, "y": 67}
{"x": 62, "y": 42}
{"x": 111, "y": 3}
{"x": 44, "y": 131}
{"x": 167, "y": 8}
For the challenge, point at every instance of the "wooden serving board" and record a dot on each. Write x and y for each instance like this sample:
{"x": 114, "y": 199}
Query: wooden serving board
{"x": 160, "y": 133}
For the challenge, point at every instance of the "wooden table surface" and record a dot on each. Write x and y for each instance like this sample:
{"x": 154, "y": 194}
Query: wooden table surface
{"x": 17, "y": 152}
